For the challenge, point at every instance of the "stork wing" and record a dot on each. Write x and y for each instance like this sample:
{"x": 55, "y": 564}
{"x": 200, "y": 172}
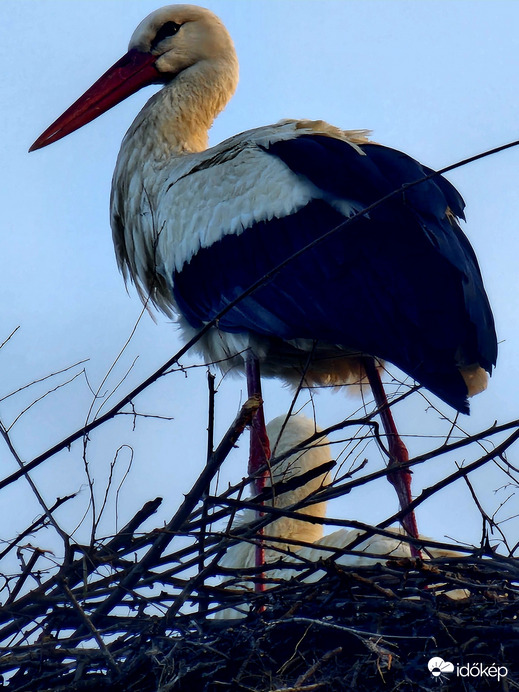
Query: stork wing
{"x": 401, "y": 283}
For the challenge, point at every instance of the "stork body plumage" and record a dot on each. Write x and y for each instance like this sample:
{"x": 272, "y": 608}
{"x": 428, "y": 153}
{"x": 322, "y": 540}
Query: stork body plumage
{"x": 195, "y": 227}
{"x": 402, "y": 284}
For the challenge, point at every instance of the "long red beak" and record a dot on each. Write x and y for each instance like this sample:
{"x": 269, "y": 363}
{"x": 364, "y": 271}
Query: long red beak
{"x": 133, "y": 71}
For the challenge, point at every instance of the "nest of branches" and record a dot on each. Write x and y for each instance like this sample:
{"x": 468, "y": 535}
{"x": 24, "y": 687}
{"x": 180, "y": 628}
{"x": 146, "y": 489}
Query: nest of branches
{"x": 364, "y": 628}
{"x": 139, "y": 611}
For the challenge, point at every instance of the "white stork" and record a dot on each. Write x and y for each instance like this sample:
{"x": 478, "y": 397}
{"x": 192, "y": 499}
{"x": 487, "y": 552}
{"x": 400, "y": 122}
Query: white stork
{"x": 195, "y": 227}
{"x": 284, "y": 435}
{"x": 284, "y": 533}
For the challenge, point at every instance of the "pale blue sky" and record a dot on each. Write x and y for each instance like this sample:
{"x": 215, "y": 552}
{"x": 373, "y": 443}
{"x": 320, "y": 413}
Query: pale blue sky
{"x": 437, "y": 79}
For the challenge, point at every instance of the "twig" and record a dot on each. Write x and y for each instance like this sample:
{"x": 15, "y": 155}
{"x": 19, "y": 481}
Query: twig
{"x": 300, "y": 688}
{"x": 93, "y": 631}
{"x": 38, "y": 523}
{"x": 40, "y": 398}
{"x": 9, "y": 338}
{"x": 41, "y": 379}
{"x": 313, "y": 669}
{"x": 23, "y": 577}
{"x": 205, "y": 494}
{"x": 66, "y": 539}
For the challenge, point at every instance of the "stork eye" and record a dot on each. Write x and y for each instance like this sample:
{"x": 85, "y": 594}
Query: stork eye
{"x": 166, "y": 31}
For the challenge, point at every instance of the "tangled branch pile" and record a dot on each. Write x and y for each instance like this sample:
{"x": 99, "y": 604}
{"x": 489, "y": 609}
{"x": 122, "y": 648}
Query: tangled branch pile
{"x": 136, "y": 611}
{"x": 365, "y": 628}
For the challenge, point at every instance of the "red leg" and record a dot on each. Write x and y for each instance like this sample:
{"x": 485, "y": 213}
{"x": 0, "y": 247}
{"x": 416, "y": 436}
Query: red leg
{"x": 259, "y": 452}
{"x": 399, "y": 478}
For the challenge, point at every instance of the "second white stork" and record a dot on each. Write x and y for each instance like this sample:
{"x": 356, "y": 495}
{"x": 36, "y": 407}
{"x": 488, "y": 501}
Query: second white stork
{"x": 293, "y": 547}
{"x": 194, "y": 228}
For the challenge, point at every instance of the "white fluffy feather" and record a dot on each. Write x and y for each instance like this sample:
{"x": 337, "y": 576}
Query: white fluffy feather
{"x": 373, "y": 550}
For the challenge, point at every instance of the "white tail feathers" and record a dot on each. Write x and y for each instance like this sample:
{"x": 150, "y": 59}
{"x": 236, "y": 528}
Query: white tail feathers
{"x": 475, "y": 378}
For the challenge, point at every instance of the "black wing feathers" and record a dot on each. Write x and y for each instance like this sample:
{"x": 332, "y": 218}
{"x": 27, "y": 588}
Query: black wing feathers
{"x": 402, "y": 283}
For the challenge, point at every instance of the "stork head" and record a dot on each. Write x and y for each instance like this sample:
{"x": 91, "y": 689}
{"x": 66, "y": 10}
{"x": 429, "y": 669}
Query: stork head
{"x": 166, "y": 44}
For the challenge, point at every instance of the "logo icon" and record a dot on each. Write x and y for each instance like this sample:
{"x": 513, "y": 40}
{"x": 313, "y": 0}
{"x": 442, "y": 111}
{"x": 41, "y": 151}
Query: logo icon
{"x": 437, "y": 666}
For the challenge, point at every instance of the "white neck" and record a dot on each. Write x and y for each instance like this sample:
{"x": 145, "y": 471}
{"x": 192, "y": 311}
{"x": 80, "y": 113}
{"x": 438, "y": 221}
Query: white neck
{"x": 177, "y": 119}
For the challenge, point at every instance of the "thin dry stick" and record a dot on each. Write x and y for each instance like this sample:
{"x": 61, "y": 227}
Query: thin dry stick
{"x": 65, "y": 537}
{"x": 34, "y": 526}
{"x": 210, "y": 450}
{"x": 93, "y": 631}
{"x": 24, "y": 575}
{"x": 42, "y": 379}
{"x": 315, "y": 667}
{"x": 43, "y": 396}
{"x": 10, "y": 336}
